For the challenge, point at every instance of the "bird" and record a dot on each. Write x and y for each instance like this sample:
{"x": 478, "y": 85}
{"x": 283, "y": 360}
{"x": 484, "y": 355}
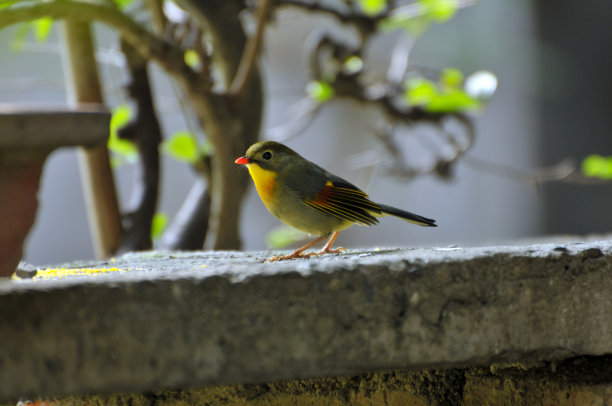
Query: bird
{"x": 309, "y": 198}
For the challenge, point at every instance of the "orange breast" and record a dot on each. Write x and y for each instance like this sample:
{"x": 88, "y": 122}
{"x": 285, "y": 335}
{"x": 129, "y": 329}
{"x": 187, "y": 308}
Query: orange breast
{"x": 264, "y": 182}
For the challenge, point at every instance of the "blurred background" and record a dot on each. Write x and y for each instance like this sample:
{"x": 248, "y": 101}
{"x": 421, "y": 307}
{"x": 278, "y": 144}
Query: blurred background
{"x": 553, "y": 61}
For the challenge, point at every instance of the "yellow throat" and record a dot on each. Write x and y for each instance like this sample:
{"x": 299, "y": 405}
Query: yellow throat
{"x": 264, "y": 182}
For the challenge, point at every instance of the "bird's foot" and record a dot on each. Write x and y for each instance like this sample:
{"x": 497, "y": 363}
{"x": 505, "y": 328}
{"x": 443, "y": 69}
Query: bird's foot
{"x": 296, "y": 254}
{"x": 330, "y": 251}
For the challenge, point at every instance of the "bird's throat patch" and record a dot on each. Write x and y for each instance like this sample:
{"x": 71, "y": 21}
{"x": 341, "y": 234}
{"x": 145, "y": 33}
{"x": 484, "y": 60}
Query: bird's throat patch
{"x": 264, "y": 181}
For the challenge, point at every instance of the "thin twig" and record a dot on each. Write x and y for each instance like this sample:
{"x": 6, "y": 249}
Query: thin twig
{"x": 251, "y": 50}
{"x": 364, "y": 24}
{"x": 305, "y": 112}
{"x": 148, "y": 45}
{"x": 158, "y": 18}
{"x": 565, "y": 171}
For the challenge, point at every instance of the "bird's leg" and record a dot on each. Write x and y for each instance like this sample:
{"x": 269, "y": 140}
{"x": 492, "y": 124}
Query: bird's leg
{"x": 327, "y": 248}
{"x": 299, "y": 253}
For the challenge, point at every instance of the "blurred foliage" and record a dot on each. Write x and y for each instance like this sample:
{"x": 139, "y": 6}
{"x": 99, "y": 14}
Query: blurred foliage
{"x": 283, "y": 236}
{"x": 597, "y": 166}
{"x": 123, "y": 151}
{"x": 353, "y": 64}
{"x": 320, "y": 91}
{"x": 41, "y": 28}
{"x": 445, "y": 96}
{"x": 123, "y": 4}
{"x": 158, "y": 225}
{"x": 182, "y": 146}
{"x": 417, "y": 17}
{"x": 192, "y": 59}
{"x": 372, "y": 7}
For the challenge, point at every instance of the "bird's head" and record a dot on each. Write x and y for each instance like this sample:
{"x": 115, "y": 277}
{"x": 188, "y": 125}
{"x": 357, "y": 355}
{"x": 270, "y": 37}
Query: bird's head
{"x": 269, "y": 155}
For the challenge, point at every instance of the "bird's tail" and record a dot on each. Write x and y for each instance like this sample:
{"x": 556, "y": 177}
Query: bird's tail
{"x": 411, "y": 217}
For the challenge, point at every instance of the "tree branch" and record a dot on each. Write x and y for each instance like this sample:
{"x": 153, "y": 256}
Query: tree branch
{"x": 364, "y": 24}
{"x": 148, "y": 45}
{"x": 144, "y": 131}
{"x": 251, "y": 50}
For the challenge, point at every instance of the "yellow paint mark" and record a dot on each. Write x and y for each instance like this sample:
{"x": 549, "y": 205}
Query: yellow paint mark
{"x": 203, "y": 266}
{"x": 51, "y": 273}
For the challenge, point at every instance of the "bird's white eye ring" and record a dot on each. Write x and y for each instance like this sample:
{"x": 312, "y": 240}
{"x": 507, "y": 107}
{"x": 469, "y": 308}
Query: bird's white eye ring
{"x": 267, "y": 155}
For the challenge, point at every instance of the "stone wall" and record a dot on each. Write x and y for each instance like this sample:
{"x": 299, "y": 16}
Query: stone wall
{"x": 496, "y": 325}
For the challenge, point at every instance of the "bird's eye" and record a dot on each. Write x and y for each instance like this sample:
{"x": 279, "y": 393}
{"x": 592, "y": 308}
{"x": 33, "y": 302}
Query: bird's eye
{"x": 267, "y": 155}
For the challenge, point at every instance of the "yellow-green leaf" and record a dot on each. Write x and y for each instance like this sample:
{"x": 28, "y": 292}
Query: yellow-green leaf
{"x": 452, "y": 101}
{"x": 414, "y": 25}
{"x": 121, "y": 116}
{"x": 372, "y": 7}
{"x": 122, "y": 4}
{"x": 452, "y": 78}
{"x": 42, "y": 29}
{"x": 20, "y": 36}
{"x": 7, "y": 3}
{"x": 192, "y": 59}
{"x": 320, "y": 91}
{"x": 283, "y": 236}
{"x": 353, "y": 64}
{"x": 597, "y": 166}
{"x": 183, "y": 146}
{"x": 158, "y": 225}
{"x": 439, "y": 10}
{"x": 420, "y": 91}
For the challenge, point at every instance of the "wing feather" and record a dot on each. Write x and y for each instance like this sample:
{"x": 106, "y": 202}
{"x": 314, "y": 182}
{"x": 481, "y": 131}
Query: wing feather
{"x": 345, "y": 201}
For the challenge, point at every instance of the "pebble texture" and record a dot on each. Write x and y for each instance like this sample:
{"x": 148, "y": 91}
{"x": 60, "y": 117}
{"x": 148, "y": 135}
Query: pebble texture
{"x": 187, "y": 319}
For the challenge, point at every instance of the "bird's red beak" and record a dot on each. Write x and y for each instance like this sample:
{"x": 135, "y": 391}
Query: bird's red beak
{"x": 242, "y": 160}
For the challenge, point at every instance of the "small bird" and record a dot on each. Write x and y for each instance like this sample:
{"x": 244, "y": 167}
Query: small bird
{"x": 307, "y": 197}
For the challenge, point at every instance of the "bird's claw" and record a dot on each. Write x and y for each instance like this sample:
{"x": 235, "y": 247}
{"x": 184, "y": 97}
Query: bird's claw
{"x": 295, "y": 255}
{"x": 330, "y": 251}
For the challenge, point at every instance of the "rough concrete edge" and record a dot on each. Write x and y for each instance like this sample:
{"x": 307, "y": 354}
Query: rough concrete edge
{"x": 581, "y": 255}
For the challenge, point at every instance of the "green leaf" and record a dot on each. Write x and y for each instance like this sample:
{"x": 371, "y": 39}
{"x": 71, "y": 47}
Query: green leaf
{"x": 192, "y": 59}
{"x": 42, "y": 28}
{"x": 372, "y": 7}
{"x": 320, "y": 91}
{"x": 452, "y": 101}
{"x": 121, "y": 116}
{"x": 20, "y": 37}
{"x": 414, "y": 25}
{"x": 425, "y": 93}
{"x": 439, "y": 10}
{"x": 353, "y": 64}
{"x": 420, "y": 91}
{"x": 597, "y": 166}
{"x": 123, "y": 4}
{"x": 283, "y": 236}
{"x": 451, "y": 78}
{"x": 6, "y": 3}
{"x": 183, "y": 146}
{"x": 417, "y": 19}
{"x": 158, "y": 225}
{"x": 206, "y": 148}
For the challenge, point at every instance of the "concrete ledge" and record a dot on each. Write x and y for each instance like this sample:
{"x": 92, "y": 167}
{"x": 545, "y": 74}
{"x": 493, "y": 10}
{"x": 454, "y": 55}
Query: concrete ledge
{"x": 48, "y": 129}
{"x": 190, "y": 319}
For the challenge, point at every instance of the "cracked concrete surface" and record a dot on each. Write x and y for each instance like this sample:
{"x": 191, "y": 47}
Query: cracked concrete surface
{"x": 186, "y": 319}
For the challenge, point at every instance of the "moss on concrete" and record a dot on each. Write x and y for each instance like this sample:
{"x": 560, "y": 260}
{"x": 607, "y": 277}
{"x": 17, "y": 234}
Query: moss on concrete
{"x": 575, "y": 381}
{"x": 418, "y": 388}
